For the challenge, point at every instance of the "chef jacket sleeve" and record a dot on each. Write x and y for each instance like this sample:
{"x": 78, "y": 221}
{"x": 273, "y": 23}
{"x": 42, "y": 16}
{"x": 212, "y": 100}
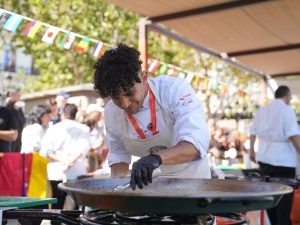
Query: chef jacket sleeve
{"x": 187, "y": 113}
{"x": 117, "y": 152}
{"x": 290, "y": 124}
{"x": 253, "y": 128}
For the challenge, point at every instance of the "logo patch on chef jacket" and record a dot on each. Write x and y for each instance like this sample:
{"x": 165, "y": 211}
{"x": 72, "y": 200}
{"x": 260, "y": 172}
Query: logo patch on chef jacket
{"x": 149, "y": 127}
{"x": 186, "y": 100}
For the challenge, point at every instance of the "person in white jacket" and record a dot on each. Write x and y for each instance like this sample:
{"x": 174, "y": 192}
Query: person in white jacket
{"x": 66, "y": 145}
{"x": 158, "y": 119}
{"x": 276, "y": 127}
{"x": 37, "y": 125}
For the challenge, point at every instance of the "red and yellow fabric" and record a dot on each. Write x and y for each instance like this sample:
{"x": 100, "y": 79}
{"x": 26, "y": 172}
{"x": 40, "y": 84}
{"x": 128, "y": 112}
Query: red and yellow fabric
{"x": 83, "y": 45}
{"x": 23, "y": 175}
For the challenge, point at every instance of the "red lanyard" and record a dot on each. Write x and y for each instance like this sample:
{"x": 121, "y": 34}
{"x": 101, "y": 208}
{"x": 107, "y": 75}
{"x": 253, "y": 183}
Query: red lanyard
{"x": 153, "y": 117}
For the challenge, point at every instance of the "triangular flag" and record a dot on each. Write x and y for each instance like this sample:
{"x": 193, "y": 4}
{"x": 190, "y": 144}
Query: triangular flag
{"x": 240, "y": 93}
{"x": 205, "y": 83}
{"x": 13, "y": 22}
{"x": 27, "y": 29}
{"x": 83, "y": 45}
{"x": 224, "y": 89}
{"x": 149, "y": 60}
{"x": 190, "y": 77}
{"x": 171, "y": 71}
{"x": 98, "y": 49}
{"x": 33, "y": 30}
{"x": 163, "y": 69}
{"x": 182, "y": 74}
{"x": 67, "y": 40}
{"x": 196, "y": 81}
{"x": 153, "y": 66}
{"x": 50, "y": 35}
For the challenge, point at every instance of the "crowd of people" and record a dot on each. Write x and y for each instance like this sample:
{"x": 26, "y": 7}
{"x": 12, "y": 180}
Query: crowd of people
{"x": 71, "y": 137}
{"x": 227, "y": 147}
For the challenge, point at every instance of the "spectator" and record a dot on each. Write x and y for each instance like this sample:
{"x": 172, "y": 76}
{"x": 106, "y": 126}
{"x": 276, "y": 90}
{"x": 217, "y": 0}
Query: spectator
{"x": 52, "y": 104}
{"x": 8, "y": 128}
{"x": 13, "y": 96}
{"x": 33, "y": 133}
{"x": 95, "y": 121}
{"x": 61, "y": 100}
{"x": 66, "y": 145}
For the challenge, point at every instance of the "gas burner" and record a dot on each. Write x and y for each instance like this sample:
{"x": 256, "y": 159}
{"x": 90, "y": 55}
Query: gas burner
{"x": 101, "y": 217}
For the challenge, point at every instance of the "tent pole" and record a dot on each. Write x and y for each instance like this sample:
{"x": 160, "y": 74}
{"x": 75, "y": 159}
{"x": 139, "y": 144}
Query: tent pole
{"x": 143, "y": 41}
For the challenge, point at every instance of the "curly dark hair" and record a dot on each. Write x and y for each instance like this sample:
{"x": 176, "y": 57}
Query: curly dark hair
{"x": 117, "y": 69}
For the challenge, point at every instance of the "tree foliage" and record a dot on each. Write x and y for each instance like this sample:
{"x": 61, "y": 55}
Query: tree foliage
{"x": 108, "y": 23}
{"x": 59, "y": 67}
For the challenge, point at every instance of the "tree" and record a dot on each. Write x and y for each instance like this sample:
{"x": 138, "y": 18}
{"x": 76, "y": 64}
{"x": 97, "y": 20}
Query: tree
{"x": 105, "y": 22}
{"x": 92, "y": 18}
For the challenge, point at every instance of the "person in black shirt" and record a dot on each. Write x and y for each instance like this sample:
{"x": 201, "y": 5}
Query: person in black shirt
{"x": 13, "y": 96}
{"x": 8, "y": 129}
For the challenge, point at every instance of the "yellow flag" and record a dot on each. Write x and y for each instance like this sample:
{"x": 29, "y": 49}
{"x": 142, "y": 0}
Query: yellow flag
{"x": 38, "y": 177}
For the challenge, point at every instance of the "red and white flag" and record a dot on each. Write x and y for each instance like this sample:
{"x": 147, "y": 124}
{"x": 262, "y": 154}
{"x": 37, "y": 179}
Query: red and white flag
{"x": 67, "y": 40}
{"x": 50, "y": 35}
{"x": 153, "y": 66}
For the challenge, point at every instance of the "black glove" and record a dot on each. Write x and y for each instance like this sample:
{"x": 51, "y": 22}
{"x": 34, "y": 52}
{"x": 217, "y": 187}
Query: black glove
{"x": 142, "y": 170}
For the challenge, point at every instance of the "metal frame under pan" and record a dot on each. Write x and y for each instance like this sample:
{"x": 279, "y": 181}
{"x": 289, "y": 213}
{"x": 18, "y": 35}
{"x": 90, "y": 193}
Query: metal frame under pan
{"x": 177, "y": 196}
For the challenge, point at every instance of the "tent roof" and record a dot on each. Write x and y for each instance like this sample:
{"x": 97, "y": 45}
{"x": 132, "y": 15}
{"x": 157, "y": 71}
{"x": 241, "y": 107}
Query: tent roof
{"x": 261, "y": 34}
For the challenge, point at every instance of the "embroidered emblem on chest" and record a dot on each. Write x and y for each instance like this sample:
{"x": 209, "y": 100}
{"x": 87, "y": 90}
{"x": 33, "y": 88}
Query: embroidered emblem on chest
{"x": 149, "y": 127}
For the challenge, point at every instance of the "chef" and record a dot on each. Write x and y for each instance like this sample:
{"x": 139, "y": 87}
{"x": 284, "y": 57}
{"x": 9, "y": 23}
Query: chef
{"x": 157, "y": 119}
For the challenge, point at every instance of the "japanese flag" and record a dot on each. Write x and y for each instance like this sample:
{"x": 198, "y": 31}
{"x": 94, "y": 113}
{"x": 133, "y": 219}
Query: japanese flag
{"x": 50, "y": 35}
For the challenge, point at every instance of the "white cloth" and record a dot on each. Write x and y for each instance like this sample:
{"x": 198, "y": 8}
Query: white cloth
{"x": 67, "y": 138}
{"x": 274, "y": 124}
{"x": 178, "y": 99}
{"x": 32, "y": 138}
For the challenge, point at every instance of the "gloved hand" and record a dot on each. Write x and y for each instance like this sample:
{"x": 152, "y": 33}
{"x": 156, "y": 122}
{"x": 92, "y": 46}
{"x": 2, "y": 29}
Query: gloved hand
{"x": 142, "y": 170}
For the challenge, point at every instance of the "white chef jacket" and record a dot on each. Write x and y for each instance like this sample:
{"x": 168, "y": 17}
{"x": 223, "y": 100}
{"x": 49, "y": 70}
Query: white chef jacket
{"x": 178, "y": 99}
{"x": 32, "y": 137}
{"x": 274, "y": 124}
{"x": 67, "y": 138}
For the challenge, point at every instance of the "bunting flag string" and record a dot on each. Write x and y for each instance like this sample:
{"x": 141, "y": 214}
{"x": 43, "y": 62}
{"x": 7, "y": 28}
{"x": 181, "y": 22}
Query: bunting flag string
{"x": 33, "y": 27}
{"x": 198, "y": 80}
{"x": 156, "y": 67}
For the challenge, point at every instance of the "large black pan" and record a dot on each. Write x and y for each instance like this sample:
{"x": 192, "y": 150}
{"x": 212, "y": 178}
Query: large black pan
{"x": 177, "y": 196}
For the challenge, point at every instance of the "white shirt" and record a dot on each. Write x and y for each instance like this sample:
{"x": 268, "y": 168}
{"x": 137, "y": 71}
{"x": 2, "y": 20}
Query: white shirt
{"x": 179, "y": 100}
{"x": 274, "y": 124}
{"x": 67, "y": 138}
{"x": 32, "y": 138}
